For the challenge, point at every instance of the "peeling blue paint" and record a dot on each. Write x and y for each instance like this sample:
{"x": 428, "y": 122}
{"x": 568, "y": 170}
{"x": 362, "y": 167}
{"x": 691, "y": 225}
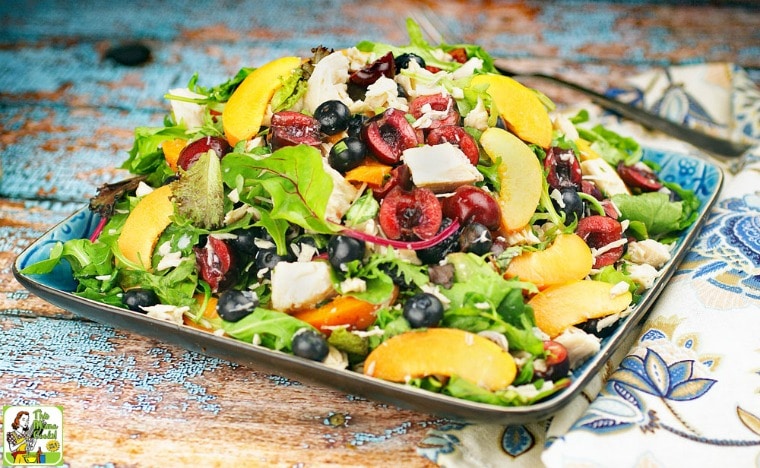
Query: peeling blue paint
{"x": 85, "y": 353}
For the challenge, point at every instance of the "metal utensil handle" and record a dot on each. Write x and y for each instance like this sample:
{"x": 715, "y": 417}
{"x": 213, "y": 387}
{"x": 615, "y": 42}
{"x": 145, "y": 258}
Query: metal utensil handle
{"x": 717, "y": 146}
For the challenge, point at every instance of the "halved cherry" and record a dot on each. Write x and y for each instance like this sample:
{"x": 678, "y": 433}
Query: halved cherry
{"x": 215, "y": 263}
{"x": 384, "y": 66}
{"x": 457, "y": 136}
{"x": 459, "y": 55}
{"x": 192, "y": 152}
{"x": 599, "y": 231}
{"x": 639, "y": 176}
{"x": 388, "y": 135}
{"x": 440, "y": 103}
{"x": 589, "y": 188}
{"x": 557, "y": 361}
{"x": 472, "y": 204}
{"x": 406, "y": 214}
{"x": 562, "y": 169}
{"x": 401, "y": 176}
{"x": 290, "y": 128}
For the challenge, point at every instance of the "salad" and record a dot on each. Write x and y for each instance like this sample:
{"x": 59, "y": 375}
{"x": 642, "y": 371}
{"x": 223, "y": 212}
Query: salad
{"x": 404, "y": 212}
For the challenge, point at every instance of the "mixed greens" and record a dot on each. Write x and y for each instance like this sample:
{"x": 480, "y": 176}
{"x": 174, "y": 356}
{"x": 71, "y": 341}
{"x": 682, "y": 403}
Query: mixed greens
{"x": 306, "y": 206}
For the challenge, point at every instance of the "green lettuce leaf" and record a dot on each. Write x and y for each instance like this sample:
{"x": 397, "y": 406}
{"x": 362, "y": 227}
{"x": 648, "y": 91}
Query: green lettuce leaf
{"x": 654, "y": 210}
{"x": 275, "y": 329}
{"x": 199, "y": 192}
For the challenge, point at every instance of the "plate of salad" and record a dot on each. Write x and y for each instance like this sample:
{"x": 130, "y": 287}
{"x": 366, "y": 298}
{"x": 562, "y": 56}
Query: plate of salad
{"x": 398, "y": 222}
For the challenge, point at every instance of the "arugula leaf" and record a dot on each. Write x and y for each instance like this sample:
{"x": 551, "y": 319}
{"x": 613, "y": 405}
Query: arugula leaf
{"x": 216, "y": 94}
{"x": 363, "y": 209}
{"x": 292, "y": 90}
{"x": 274, "y": 328}
{"x": 610, "y": 145}
{"x": 659, "y": 215}
{"x": 147, "y": 157}
{"x": 199, "y": 192}
{"x": 461, "y": 388}
{"x": 295, "y": 179}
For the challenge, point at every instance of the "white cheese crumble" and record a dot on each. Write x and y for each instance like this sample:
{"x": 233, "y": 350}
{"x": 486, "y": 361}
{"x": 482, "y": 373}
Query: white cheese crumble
{"x": 643, "y": 274}
{"x": 477, "y": 117}
{"x": 606, "y": 248}
{"x": 579, "y": 344}
{"x": 143, "y": 189}
{"x": 440, "y": 168}
{"x": 166, "y": 312}
{"x": 618, "y": 289}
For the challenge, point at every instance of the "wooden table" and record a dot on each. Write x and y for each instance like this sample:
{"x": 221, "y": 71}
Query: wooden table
{"x": 66, "y": 122}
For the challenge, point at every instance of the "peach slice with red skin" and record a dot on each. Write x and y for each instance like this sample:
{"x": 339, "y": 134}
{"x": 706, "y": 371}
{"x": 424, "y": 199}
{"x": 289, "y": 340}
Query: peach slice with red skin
{"x": 443, "y": 352}
{"x": 520, "y": 174}
{"x": 561, "y": 306}
{"x": 541, "y": 267}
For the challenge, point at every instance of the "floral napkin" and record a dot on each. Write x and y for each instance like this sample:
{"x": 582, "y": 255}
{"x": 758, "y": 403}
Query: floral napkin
{"x": 687, "y": 390}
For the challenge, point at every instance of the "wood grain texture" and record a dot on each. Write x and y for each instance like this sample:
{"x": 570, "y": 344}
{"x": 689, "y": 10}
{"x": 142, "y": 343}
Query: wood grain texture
{"x": 66, "y": 122}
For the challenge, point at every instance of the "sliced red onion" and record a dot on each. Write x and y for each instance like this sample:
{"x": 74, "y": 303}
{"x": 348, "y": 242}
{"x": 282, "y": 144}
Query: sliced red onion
{"x": 98, "y": 229}
{"x": 411, "y": 245}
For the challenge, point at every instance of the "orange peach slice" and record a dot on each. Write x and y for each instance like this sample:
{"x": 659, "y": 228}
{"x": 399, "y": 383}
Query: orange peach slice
{"x": 172, "y": 148}
{"x": 559, "y": 307}
{"x": 519, "y": 106}
{"x": 244, "y": 111}
{"x": 445, "y": 352}
{"x": 520, "y": 173}
{"x": 144, "y": 225}
{"x": 343, "y": 310}
{"x": 541, "y": 267}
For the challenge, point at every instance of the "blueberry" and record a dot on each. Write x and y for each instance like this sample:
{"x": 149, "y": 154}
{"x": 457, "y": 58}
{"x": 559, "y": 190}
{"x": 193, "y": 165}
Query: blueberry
{"x": 347, "y": 154}
{"x": 438, "y": 252}
{"x": 137, "y": 298}
{"x": 475, "y": 238}
{"x": 403, "y": 60}
{"x": 573, "y": 205}
{"x": 233, "y": 305}
{"x": 333, "y": 117}
{"x": 268, "y": 259}
{"x": 344, "y": 249}
{"x": 355, "y": 124}
{"x": 423, "y": 310}
{"x": 310, "y": 344}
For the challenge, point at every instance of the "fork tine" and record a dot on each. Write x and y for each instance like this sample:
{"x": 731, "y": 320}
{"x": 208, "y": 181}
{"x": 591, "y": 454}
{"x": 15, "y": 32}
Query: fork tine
{"x": 430, "y": 23}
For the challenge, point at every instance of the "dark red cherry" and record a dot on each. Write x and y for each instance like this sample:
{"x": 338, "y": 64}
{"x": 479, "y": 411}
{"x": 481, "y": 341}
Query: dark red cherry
{"x": 384, "y": 66}
{"x": 215, "y": 263}
{"x": 472, "y": 204}
{"x": 438, "y": 102}
{"x": 388, "y": 135}
{"x": 409, "y": 214}
{"x": 639, "y": 176}
{"x": 562, "y": 169}
{"x": 457, "y": 136}
{"x": 290, "y": 128}
{"x": 598, "y": 231}
{"x": 193, "y": 151}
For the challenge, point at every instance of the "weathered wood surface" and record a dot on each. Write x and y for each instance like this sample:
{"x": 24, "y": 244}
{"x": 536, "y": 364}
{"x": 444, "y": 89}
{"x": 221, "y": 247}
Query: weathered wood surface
{"x": 66, "y": 121}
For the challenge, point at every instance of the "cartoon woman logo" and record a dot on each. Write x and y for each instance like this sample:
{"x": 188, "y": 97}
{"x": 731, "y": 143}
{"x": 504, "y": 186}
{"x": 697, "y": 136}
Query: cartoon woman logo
{"x": 20, "y": 440}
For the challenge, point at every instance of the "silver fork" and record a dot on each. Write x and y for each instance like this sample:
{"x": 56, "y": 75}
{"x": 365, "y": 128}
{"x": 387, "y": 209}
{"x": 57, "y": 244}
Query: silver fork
{"x": 438, "y": 32}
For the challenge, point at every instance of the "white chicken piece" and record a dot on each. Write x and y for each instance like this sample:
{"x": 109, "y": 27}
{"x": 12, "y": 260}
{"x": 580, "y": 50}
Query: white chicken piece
{"x": 440, "y": 168}
{"x": 342, "y": 195}
{"x": 580, "y": 345}
{"x": 300, "y": 285}
{"x": 604, "y": 176}
{"x": 381, "y": 93}
{"x": 477, "y": 117}
{"x": 328, "y": 82}
{"x": 649, "y": 252}
{"x": 188, "y": 112}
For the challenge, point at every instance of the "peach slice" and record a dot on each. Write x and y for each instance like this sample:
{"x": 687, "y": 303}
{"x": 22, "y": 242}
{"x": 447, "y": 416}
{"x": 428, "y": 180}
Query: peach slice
{"x": 442, "y": 351}
{"x": 343, "y": 310}
{"x": 145, "y": 224}
{"x": 520, "y": 173}
{"x": 172, "y": 148}
{"x": 519, "y": 106}
{"x": 541, "y": 267}
{"x": 559, "y": 307}
{"x": 244, "y": 111}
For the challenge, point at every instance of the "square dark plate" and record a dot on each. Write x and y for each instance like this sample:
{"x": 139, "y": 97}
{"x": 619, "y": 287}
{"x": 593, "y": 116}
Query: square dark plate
{"x": 692, "y": 173}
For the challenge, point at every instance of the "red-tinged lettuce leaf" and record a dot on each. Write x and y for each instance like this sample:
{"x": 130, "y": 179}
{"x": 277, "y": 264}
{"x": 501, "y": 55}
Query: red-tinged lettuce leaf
{"x": 295, "y": 179}
{"x": 199, "y": 192}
